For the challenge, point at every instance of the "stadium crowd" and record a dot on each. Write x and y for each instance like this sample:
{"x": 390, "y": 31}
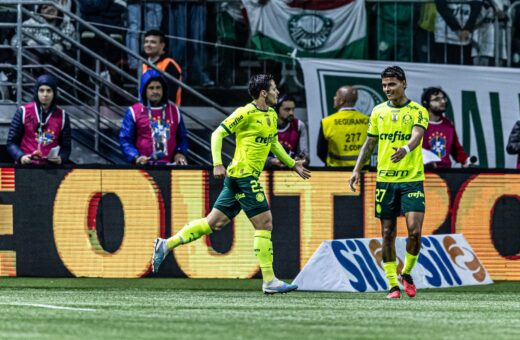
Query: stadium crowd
{"x": 171, "y": 35}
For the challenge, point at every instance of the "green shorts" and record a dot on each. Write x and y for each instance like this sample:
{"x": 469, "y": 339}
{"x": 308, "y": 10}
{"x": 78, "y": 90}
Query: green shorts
{"x": 394, "y": 199}
{"x": 241, "y": 193}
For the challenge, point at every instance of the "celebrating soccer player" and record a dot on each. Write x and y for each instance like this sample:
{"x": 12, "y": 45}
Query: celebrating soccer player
{"x": 256, "y": 135}
{"x": 397, "y": 126}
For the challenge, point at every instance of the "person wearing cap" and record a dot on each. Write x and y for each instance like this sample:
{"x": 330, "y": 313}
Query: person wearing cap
{"x": 40, "y": 126}
{"x": 152, "y": 131}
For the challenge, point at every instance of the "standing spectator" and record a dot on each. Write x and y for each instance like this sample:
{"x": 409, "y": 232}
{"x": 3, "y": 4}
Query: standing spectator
{"x": 484, "y": 43}
{"x": 154, "y": 43}
{"x": 513, "y": 144}
{"x": 188, "y": 20}
{"x": 152, "y": 20}
{"x": 343, "y": 133}
{"x": 39, "y": 126}
{"x": 232, "y": 29}
{"x": 153, "y": 131}
{"x": 454, "y": 26}
{"x": 395, "y": 29}
{"x": 292, "y": 133}
{"x": 440, "y": 136}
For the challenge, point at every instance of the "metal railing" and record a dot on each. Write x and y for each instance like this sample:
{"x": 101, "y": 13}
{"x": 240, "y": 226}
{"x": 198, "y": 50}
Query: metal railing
{"x": 99, "y": 133}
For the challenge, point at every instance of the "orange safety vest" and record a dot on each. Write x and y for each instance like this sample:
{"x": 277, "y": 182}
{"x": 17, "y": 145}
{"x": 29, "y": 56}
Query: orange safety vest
{"x": 162, "y": 65}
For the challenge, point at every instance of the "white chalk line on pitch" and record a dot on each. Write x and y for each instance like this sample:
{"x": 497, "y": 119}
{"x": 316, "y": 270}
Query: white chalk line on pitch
{"x": 39, "y": 305}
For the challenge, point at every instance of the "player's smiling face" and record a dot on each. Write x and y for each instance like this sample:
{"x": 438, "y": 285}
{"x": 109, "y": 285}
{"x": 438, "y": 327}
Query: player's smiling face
{"x": 272, "y": 94}
{"x": 393, "y": 88}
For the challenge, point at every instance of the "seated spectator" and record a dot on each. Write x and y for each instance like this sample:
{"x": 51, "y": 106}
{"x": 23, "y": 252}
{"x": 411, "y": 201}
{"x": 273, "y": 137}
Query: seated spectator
{"x": 39, "y": 126}
{"x": 440, "y": 136}
{"x": 343, "y": 133}
{"x": 153, "y": 131}
{"x": 154, "y": 43}
{"x": 37, "y": 34}
{"x": 513, "y": 144}
{"x": 454, "y": 25}
{"x": 292, "y": 133}
{"x": 152, "y": 19}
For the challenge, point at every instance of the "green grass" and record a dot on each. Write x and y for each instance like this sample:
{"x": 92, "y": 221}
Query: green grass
{"x": 236, "y": 309}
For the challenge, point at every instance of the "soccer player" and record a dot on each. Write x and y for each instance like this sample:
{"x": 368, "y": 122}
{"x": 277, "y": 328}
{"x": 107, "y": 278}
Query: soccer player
{"x": 397, "y": 126}
{"x": 256, "y": 134}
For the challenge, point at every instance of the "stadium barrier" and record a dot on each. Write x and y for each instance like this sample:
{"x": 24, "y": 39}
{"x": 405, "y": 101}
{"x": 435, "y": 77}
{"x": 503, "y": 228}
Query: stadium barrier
{"x": 356, "y": 265}
{"x": 101, "y": 222}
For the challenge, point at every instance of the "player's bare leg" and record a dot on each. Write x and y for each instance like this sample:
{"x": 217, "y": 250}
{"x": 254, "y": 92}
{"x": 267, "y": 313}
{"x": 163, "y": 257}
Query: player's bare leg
{"x": 414, "y": 221}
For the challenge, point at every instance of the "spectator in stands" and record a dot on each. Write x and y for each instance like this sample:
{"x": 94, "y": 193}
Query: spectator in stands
{"x": 440, "y": 136}
{"x": 484, "y": 40}
{"x": 343, "y": 133}
{"x": 513, "y": 144}
{"x": 154, "y": 43}
{"x": 395, "y": 30}
{"x": 153, "y": 131}
{"x": 40, "y": 126}
{"x": 7, "y": 56}
{"x": 454, "y": 26}
{"x": 36, "y": 33}
{"x": 188, "y": 20}
{"x": 152, "y": 20}
{"x": 107, "y": 16}
{"x": 292, "y": 133}
{"x": 233, "y": 30}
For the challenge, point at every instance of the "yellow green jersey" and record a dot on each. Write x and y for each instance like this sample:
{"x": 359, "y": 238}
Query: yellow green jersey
{"x": 393, "y": 128}
{"x": 256, "y": 135}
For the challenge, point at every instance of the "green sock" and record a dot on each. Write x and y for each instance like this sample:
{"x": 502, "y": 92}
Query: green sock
{"x": 189, "y": 233}
{"x": 391, "y": 273}
{"x": 264, "y": 252}
{"x": 409, "y": 263}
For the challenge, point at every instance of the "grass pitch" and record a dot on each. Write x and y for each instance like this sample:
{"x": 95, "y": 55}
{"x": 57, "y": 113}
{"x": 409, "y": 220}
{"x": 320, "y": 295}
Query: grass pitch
{"x": 35, "y": 308}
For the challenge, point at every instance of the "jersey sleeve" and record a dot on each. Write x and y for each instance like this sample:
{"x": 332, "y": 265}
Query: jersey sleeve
{"x": 372, "y": 125}
{"x": 421, "y": 118}
{"x": 235, "y": 121}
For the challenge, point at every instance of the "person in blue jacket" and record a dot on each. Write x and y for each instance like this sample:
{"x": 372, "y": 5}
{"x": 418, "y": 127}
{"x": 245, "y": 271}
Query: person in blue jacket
{"x": 153, "y": 131}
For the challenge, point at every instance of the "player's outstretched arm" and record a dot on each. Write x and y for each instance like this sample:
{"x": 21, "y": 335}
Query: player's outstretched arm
{"x": 302, "y": 171}
{"x": 364, "y": 155}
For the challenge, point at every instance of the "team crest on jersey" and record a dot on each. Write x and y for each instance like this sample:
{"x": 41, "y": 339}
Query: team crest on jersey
{"x": 260, "y": 197}
{"x": 46, "y": 138}
{"x": 437, "y": 143}
{"x": 310, "y": 31}
{"x": 407, "y": 118}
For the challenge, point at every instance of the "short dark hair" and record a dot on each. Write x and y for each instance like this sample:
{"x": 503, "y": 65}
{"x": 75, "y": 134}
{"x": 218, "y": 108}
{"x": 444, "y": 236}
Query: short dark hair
{"x": 393, "y": 72}
{"x": 156, "y": 32}
{"x": 429, "y": 92}
{"x": 259, "y": 82}
{"x": 284, "y": 98}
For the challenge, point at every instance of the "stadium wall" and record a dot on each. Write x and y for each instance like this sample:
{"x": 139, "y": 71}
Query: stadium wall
{"x": 101, "y": 222}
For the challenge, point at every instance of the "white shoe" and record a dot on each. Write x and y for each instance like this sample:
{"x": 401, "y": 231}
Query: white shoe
{"x": 277, "y": 286}
{"x": 160, "y": 250}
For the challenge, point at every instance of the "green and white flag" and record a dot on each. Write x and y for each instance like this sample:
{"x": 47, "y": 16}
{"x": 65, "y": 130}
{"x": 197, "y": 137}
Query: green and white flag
{"x": 319, "y": 29}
